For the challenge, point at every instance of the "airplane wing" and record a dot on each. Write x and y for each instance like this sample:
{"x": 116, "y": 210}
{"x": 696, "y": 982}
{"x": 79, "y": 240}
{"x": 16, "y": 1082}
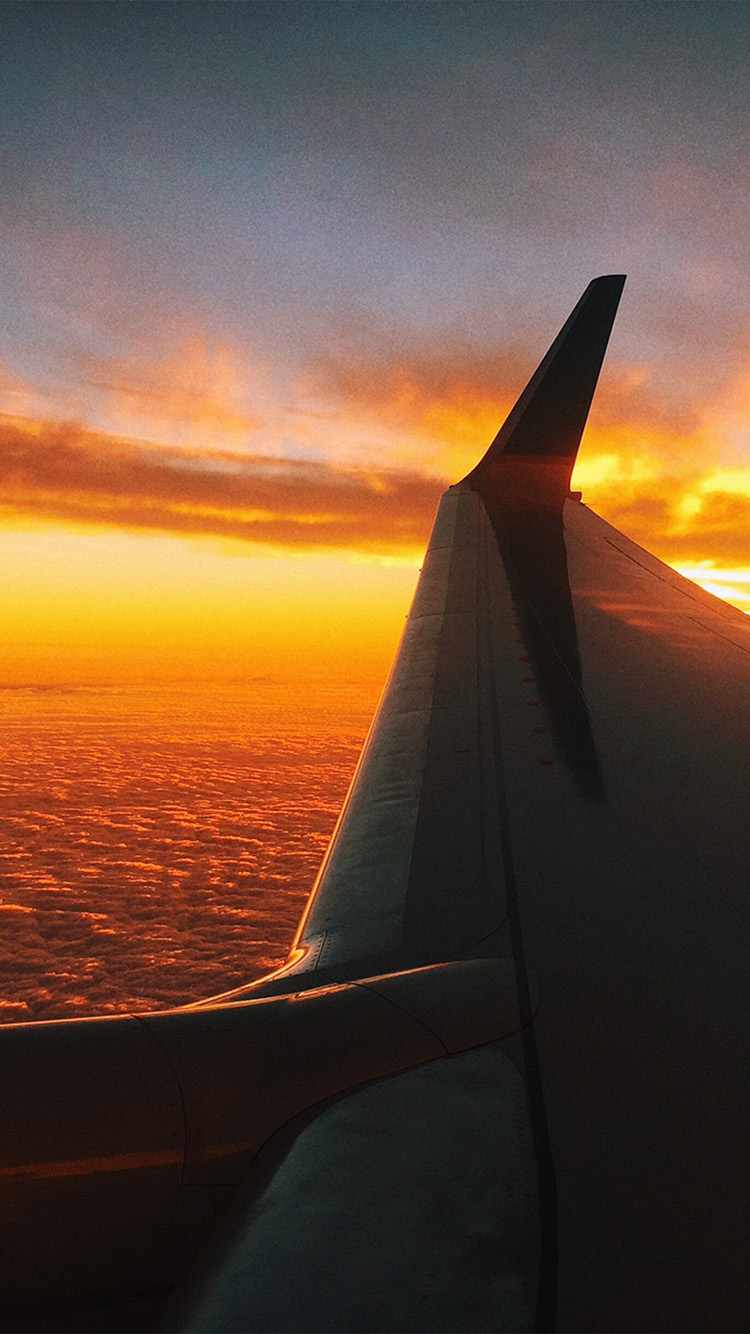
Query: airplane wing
{"x": 418, "y": 870}
{"x": 502, "y": 1081}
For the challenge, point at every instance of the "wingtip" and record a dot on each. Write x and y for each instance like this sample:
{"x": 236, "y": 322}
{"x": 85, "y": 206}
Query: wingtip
{"x": 546, "y": 424}
{"x": 616, "y": 281}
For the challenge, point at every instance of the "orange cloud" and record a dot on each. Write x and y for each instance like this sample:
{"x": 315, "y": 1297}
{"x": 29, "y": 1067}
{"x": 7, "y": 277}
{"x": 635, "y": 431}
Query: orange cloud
{"x": 445, "y": 406}
{"x": 672, "y": 476}
{"x": 649, "y": 464}
{"x": 66, "y": 473}
{"x": 200, "y": 394}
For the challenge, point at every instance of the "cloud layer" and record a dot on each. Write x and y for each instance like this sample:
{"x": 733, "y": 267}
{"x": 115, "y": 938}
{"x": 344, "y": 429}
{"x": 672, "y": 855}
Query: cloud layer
{"x": 154, "y": 855}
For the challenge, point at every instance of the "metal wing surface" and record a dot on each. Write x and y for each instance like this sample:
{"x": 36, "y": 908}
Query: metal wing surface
{"x": 557, "y": 777}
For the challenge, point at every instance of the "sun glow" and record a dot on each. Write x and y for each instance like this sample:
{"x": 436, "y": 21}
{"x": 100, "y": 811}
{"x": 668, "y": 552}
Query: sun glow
{"x": 111, "y": 606}
{"x": 731, "y": 585}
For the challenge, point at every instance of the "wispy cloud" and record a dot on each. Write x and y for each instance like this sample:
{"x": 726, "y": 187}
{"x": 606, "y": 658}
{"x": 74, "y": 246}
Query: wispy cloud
{"x": 447, "y": 403}
{"x": 202, "y": 393}
{"x": 17, "y": 395}
{"x": 444, "y": 406}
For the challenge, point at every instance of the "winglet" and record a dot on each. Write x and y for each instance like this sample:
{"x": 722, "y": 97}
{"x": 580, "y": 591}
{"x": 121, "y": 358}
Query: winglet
{"x": 533, "y": 453}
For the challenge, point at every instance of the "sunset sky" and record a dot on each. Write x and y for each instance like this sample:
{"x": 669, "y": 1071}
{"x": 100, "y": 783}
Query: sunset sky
{"x": 272, "y": 275}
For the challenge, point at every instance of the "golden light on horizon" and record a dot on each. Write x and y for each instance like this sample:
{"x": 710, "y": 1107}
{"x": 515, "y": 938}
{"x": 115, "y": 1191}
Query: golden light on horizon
{"x": 114, "y": 606}
{"x": 731, "y": 586}
{"x": 206, "y": 551}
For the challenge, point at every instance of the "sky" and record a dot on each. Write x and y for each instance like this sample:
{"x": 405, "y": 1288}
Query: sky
{"x": 273, "y": 275}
